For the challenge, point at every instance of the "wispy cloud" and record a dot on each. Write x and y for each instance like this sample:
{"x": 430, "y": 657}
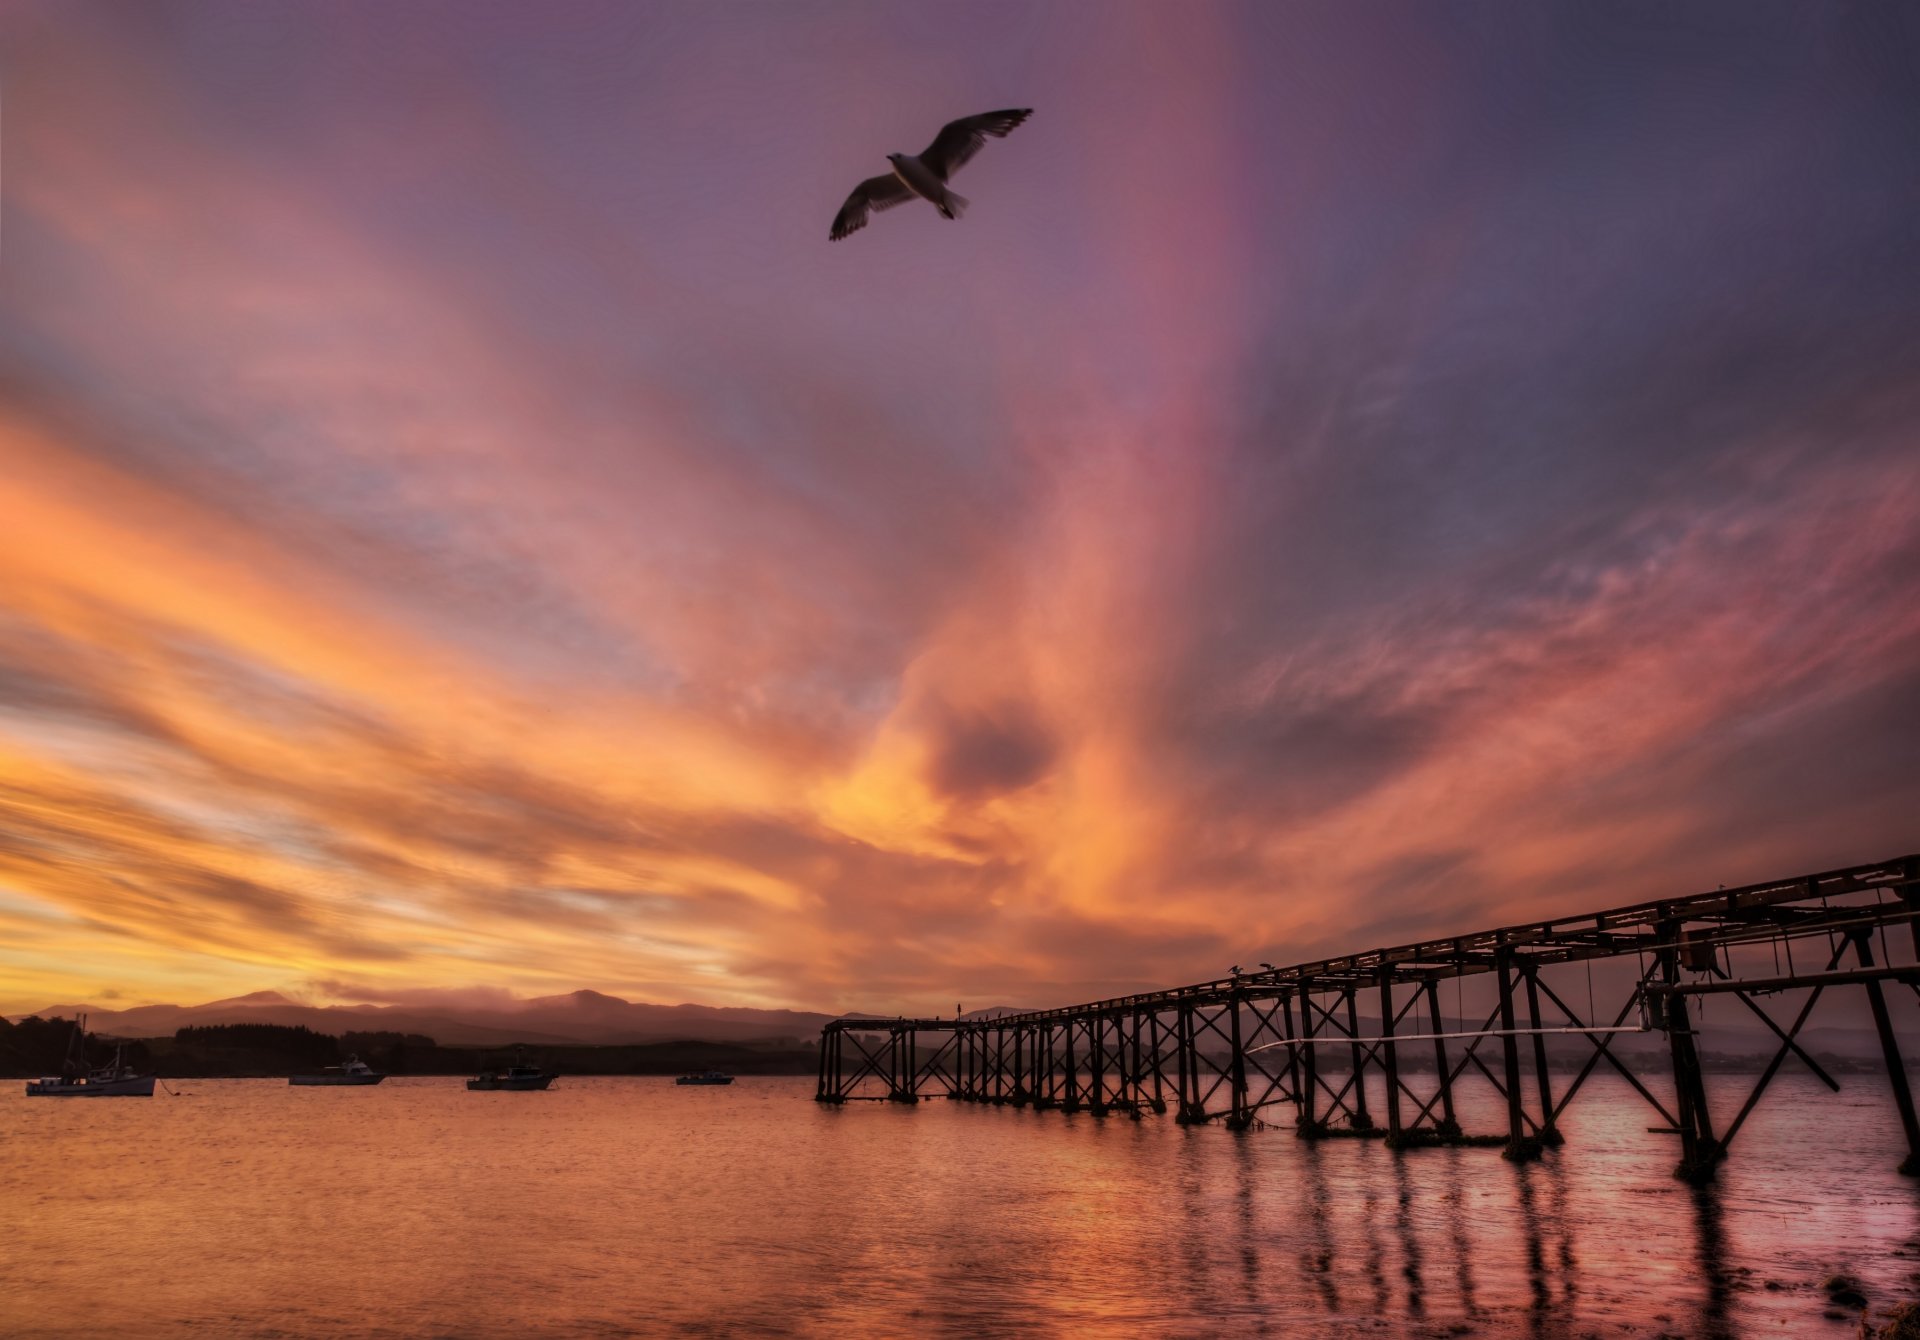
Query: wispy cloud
{"x": 1352, "y": 474}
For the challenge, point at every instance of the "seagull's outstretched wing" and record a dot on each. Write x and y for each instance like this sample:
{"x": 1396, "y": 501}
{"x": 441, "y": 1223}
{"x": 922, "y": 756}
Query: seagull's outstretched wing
{"x": 960, "y": 140}
{"x": 873, "y": 193}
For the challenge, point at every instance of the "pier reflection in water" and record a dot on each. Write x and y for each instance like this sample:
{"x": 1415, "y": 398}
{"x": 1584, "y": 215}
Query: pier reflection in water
{"x": 630, "y": 1207}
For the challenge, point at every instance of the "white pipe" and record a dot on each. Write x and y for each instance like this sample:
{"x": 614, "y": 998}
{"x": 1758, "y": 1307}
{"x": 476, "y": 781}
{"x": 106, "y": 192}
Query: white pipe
{"x": 1341, "y": 1039}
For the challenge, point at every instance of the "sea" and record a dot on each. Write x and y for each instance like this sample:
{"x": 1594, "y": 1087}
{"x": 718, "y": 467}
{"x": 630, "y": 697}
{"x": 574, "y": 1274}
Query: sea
{"x": 635, "y": 1207}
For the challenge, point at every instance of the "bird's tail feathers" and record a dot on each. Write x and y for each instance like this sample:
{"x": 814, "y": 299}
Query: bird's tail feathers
{"x": 954, "y": 206}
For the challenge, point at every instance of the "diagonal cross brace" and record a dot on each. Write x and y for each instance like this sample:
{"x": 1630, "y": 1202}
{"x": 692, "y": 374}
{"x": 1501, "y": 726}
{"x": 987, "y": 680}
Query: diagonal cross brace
{"x": 1603, "y": 1050}
{"x": 1787, "y": 1040}
{"x": 1773, "y": 1066}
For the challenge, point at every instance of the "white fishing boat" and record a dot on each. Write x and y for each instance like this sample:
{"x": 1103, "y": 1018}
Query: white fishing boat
{"x": 709, "y": 1077}
{"x": 353, "y": 1071}
{"x": 116, "y": 1079}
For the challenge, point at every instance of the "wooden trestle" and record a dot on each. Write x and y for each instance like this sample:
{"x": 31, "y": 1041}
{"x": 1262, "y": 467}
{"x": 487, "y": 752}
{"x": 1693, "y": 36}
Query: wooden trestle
{"x": 1240, "y": 1047}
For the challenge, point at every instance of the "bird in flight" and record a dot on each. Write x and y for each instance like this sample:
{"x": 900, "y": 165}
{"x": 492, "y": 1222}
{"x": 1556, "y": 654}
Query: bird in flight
{"x": 926, "y": 176}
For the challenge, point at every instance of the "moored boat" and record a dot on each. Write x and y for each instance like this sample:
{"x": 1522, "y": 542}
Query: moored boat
{"x": 709, "y": 1077}
{"x": 519, "y": 1078}
{"x": 354, "y": 1071}
{"x": 116, "y": 1079}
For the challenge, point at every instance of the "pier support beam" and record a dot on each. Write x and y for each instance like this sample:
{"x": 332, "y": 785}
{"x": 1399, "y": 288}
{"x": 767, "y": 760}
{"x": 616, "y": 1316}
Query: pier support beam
{"x": 905, "y": 1088}
{"x": 1157, "y": 1040}
{"x": 1520, "y": 1147}
{"x": 1390, "y": 1058}
{"x": 1240, "y": 1116}
{"x": 1293, "y": 1051}
{"x": 1449, "y": 1128}
{"x": 1890, "y": 1049}
{"x": 1362, "y": 1119}
{"x": 1700, "y": 1153}
{"x": 1308, "y": 1125}
{"x": 1137, "y": 1089}
{"x": 1192, "y": 1110}
{"x": 1549, "y": 1133}
{"x": 1043, "y": 1092}
{"x": 1072, "y": 1103}
{"x": 1097, "y": 1066}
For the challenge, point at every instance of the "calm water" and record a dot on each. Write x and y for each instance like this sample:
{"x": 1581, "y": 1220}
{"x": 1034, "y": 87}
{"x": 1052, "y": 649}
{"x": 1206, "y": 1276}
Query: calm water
{"x": 632, "y": 1207}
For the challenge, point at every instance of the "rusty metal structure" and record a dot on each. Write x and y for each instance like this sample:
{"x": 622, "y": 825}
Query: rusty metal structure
{"x": 1290, "y": 1041}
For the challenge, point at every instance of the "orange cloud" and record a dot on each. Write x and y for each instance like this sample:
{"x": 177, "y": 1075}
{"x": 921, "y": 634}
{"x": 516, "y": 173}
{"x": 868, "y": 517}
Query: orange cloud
{"x": 435, "y": 553}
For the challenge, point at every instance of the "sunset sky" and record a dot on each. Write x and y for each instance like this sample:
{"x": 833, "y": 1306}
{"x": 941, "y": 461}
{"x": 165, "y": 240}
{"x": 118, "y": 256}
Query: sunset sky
{"x": 1357, "y": 471}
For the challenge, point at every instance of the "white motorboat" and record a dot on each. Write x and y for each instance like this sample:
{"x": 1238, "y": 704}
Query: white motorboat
{"x": 354, "y": 1071}
{"x": 116, "y": 1079}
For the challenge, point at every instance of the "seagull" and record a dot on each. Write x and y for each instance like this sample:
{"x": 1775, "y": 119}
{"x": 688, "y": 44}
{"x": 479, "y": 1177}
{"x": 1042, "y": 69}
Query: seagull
{"x": 926, "y": 176}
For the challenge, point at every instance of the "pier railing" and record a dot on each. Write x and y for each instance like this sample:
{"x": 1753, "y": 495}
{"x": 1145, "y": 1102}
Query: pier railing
{"x": 1291, "y": 1041}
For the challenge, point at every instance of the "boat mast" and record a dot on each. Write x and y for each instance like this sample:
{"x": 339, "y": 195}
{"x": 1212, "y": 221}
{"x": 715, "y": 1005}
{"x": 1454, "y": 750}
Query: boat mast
{"x": 76, "y": 1048}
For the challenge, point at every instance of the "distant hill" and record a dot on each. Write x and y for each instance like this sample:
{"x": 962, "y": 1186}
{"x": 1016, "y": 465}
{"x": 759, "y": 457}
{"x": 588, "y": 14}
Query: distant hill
{"x": 593, "y": 1018}
{"x": 589, "y": 1017}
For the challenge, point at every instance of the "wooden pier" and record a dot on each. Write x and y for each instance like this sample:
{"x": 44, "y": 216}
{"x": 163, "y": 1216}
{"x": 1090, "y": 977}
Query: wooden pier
{"x": 1256, "y": 1045}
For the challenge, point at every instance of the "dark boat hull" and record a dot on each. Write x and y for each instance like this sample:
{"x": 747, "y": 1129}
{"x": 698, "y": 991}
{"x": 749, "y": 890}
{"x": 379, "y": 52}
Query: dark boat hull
{"x": 334, "y": 1081}
{"x": 136, "y": 1086}
{"x": 511, "y": 1085}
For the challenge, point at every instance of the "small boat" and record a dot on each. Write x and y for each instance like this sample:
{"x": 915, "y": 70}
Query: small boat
{"x": 709, "y": 1077}
{"x": 515, "y": 1077}
{"x": 77, "y": 1080}
{"x": 355, "y": 1071}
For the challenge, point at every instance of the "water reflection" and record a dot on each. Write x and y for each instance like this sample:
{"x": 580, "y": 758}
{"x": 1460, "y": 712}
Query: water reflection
{"x": 1372, "y": 1232}
{"x": 1711, "y": 1252}
{"x": 1195, "y": 1197}
{"x": 1560, "y": 1221}
{"x": 1448, "y": 1162}
{"x": 1410, "y": 1253}
{"x": 641, "y": 1210}
{"x": 1560, "y": 1214}
{"x": 1244, "y": 1160}
{"x": 1376, "y": 1250}
{"x": 1316, "y": 1257}
{"x": 1535, "y": 1252}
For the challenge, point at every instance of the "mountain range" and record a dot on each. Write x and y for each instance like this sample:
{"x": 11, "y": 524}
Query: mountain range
{"x": 578, "y": 1017}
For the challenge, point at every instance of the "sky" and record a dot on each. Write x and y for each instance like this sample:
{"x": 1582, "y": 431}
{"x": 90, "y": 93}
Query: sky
{"x": 1357, "y": 472}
